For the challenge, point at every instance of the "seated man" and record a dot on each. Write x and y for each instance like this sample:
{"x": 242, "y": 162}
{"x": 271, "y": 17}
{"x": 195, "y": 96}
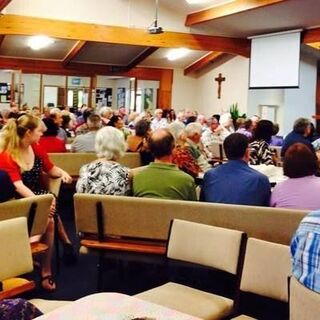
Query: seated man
{"x": 86, "y": 142}
{"x": 235, "y": 182}
{"x": 305, "y": 250}
{"x": 193, "y": 143}
{"x": 161, "y": 178}
{"x": 300, "y": 132}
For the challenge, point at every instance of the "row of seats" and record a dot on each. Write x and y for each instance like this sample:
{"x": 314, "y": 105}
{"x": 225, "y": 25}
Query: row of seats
{"x": 265, "y": 272}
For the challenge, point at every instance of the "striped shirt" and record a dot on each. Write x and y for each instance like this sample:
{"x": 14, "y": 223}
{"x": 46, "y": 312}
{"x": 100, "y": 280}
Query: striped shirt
{"x": 305, "y": 251}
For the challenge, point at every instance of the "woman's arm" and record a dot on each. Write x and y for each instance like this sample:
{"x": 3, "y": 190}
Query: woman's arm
{"x": 56, "y": 172}
{"x": 22, "y": 189}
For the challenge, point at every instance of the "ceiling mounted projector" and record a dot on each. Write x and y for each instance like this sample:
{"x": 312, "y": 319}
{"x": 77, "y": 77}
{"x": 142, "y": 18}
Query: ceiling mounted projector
{"x": 154, "y": 28}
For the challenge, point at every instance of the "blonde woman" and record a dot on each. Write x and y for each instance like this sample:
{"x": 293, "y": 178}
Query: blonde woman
{"x": 24, "y": 161}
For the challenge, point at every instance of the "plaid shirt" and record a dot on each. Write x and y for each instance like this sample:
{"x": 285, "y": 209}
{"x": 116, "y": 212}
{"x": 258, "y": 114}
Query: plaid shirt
{"x": 305, "y": 251}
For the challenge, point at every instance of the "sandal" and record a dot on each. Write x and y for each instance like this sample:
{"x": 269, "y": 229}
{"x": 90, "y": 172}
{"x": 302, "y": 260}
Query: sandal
{"x": 50, "y": 281}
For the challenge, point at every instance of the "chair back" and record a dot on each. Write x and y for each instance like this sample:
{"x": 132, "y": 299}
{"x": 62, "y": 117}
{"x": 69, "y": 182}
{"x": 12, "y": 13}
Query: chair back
{"x": 206, "y": 245}
{"x": 15, "y": 250}
{"x": 304, "y": 303}
{"x": 40, "y": 205}
{"x": 266, "y": 269}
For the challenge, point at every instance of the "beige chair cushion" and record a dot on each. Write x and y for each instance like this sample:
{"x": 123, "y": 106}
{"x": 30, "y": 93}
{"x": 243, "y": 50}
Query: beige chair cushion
{"x": 191, "y": 301}
{"x": 11, "y": 283}
{"x": 15, "y": 250}
{"x": 267, "y": 267}
{"x": 304, "y": 303}
{"x": 46, "y": 306}
{"x": 243, "y": 317}
{"x": 206, "y": 245}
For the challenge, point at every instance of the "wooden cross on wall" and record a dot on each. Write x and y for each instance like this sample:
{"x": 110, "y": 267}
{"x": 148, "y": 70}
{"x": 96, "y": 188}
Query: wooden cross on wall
{"x": 220, "y": 79}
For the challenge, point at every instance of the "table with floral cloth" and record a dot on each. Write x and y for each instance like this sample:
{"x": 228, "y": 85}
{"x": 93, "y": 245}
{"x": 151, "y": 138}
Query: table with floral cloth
{"x": 114, "y": 306}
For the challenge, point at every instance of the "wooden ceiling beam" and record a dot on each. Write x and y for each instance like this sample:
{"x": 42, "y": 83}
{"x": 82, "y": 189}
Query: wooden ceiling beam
{"x": 73, "y": 52}
{"x": 203, "y": 62}
{"x": 311, "y": 36}
{"x": 78, "y": 69}
{"x": 146, "y": 53}
{"x": 23, "y": 25}
{"x": 227, "y": 10}
{"x": 4, "y": 3}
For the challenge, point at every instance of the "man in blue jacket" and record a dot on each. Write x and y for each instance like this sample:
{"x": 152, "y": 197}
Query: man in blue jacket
{"x": 235, "y": 182}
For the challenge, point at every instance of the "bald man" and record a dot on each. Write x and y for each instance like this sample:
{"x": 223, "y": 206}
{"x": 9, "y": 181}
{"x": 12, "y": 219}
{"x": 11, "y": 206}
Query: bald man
{"x": 161, "y": 178}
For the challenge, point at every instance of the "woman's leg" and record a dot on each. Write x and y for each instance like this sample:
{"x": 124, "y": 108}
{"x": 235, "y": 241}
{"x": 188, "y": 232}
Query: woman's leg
{"x": 46, "y": 271}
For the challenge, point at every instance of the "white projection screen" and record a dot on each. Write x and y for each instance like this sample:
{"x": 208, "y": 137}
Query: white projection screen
{"x": 274, "y": 61}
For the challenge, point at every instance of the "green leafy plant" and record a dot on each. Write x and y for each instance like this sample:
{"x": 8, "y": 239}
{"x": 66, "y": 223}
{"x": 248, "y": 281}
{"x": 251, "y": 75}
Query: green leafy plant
{"x": 234, "y": 111}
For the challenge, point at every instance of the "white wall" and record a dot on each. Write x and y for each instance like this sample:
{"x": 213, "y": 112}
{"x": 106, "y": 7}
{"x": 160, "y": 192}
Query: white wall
{"x": 301, "y": 102}
{"x": 201, "y": 93}
{"x": 31, "y": 92}
{"x": 233, "y": 90}
{"x": 183, "y": 91}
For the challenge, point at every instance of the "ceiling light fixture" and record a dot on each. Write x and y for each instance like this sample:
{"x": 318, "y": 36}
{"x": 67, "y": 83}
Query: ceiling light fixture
{"x": 212, "y": 3}
{"x": 39, "y": 42}
{"x": 175, "y": 54}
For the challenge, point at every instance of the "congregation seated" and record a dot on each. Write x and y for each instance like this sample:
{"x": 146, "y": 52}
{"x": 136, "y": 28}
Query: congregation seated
{"x": 85, "y": 142}
{"x": 105, "y": 175}
{"x": 244, "y": 126}
{"x": 24, "y": 161}
{"x": 235, "y": 182}
{"x": 117, "y": 122}
{"x": 305, "y": 252}
{"x": 138, "y": 141}
{"x": 210, "y": 136}
{"x": 161, "y": 178}
{"x": 56, "y": 115}
{"x": 158, "y": 121}
{"x": 193, "y": 143}
{"x": 260, "y": 152}
{"x": 298, "y": 192}
{"x": 181, "y": 156}
{"x": 50, "y": 141}
{"x": 226, "y": 125}
{"x": 300, "y": 132}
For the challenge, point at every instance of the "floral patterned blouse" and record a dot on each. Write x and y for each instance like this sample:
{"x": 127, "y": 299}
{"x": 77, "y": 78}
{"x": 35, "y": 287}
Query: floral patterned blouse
{"x": 104, "y": 177}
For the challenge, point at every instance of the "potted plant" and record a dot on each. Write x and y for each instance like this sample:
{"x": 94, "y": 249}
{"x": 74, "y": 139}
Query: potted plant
{"x": 235, "y": 113}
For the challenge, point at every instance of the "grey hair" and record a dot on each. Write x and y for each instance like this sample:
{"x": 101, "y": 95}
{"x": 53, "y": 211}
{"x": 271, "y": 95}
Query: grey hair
{"x": 110, "y": 143}
{"x": 176, "y": 129}
{"x": 54, "y": 111}
{"x": 105, "y": 111}
{"x": 300, "y": 125}
{"x": 193, "y": 128}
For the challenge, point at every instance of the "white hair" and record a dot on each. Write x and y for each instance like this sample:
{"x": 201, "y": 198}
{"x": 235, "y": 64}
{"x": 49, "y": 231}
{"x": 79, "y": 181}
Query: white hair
{"x": 110, "y": 143}
{"x": 176, "y": 129}
{"x": 225, "y": 118}
{"x": 54, "y": 111}
{"x": 192, "y": 128}
{"x": 105, "y": 112}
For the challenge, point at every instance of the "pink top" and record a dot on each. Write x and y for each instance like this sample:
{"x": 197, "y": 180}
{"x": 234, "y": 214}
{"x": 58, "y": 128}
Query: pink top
{"x": 297, "y": 193}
